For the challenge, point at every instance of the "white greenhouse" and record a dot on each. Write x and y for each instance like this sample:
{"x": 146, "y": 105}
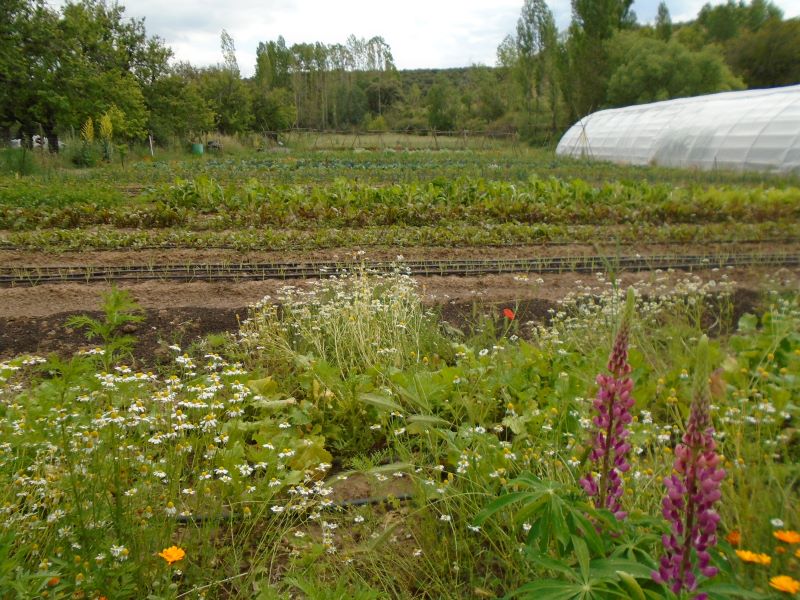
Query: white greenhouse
{"x": 749, "y": 130}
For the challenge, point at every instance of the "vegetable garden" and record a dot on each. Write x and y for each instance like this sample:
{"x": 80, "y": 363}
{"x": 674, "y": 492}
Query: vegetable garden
{"x": 346, "y": 440}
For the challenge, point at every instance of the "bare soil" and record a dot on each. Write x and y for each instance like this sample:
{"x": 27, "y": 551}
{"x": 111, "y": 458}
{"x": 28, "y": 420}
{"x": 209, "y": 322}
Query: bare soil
{"x": 32, "y": 319}
{"x": 181, "y": 256}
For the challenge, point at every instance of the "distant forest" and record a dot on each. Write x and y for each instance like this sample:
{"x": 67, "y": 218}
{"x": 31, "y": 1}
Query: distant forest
{"x": 88, "y": 68}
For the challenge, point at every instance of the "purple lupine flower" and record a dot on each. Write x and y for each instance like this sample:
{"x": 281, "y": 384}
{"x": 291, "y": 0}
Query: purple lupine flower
{"x": 613, "y": 403}
{"x": 692, "y": 491}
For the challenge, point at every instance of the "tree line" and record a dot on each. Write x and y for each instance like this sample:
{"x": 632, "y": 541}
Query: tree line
{"x": 607, "y": 59}
{"x": 59, "y": 69}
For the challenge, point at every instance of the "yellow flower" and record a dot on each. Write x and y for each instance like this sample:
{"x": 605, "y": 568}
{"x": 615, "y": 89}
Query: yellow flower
{"x": 754, "y": 557}
{"x": 172, "y": 554}
{"x": 787, "y": 537}
{"x": 784, "y": 583}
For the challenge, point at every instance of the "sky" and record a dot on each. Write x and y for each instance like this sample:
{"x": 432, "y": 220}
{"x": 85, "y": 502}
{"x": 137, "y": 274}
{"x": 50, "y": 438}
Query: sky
{"x": 421, "y": 33}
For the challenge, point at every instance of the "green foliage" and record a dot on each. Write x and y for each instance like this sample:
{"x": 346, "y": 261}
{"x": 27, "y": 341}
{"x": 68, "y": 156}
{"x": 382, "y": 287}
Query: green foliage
{"x": 456, "y": 235}
{"x": 106, "y": 130}
{"x": 55, "y": 90}
{"x": 120, "y": 311}
{"x": 565, "y": 533}
{"x": 178, "y": 109}
{"x": 545, "y": 79}
{"x": 18, "y": 161}
{"x": 723, "y": 22}
{"x": 443, "y": 112}
{"x": 204, "y": 203}
{"x": 768, "y": 57}
{"x": 377, "y": 124}
{"x": 648, "y": 70}
{"x": 228, "y": 97}
{"x": 663, "y": 25}
{"x": 356, "y": 323}
{"x": 281, "y": 201}
{"x": 324, "y": 591}
{"x": 273, "y": 62}
{"x": 233, "y": 460}
{"x": 274, "y": 110}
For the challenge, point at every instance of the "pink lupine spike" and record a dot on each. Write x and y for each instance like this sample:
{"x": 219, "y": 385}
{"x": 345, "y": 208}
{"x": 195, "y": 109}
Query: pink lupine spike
{"x": 692, "y": 491}
{"x": 609, "y": 439}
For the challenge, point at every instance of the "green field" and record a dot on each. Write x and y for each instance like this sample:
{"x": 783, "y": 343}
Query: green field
{"x": 349, "y": 442}
{"x": 310, "y": 200}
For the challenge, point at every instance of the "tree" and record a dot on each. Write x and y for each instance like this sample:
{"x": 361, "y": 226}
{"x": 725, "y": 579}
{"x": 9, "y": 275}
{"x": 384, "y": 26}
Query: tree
{"x": 274, "y": 111}
{"x": 536, "y": 42}
{"x": 490, "y": 104}
{"x": 273, "y": 60}
{"x": 442, "y": 108}
{"x": 585, "y": 65}
{"x": 225, "y": 92}
{"x": 76, "y": 64}
{"x": 724, "y": 22}
{"x": 177, "y": 109}
{"x": 382, "y": 94}
{"x": 379, "y": 58}
{"x": 228, "y": 97}
{"x": 112, "y": 59}
{"x": 273, "y": 103}
{"x": 761, "y": 12}
{"x": 35, "y": 95}
{"x": 599, "y": 19}
{"x": 229, "y": 62}
{"x": 663, "y": 22}
{"x": 647, "y": 70}
{"x": 507, "y": 52}
{"x": 768, "y": 57}
{"x": 12, "y": 60}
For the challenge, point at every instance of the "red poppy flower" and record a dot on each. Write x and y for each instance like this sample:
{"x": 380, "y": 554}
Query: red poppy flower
{"x": 508, "y": 314}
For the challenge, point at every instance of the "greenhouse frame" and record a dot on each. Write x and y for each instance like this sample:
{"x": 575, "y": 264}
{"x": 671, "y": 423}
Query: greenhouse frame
{"x": 755, "y": 130}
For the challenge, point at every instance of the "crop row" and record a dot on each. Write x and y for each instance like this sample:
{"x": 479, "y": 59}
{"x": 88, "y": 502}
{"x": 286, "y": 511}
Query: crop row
{"x": 449, "y": 235}
{"x": 321, "y": 167}
{"x": 204, "y": 203}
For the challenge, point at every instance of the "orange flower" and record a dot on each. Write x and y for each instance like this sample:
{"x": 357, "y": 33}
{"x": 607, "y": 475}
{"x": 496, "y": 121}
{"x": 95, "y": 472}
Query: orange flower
{"x": 53, "y": 582}
{"x": 784, "y": 583}
{"x": 787, "y": 537}
{"x": 508, "y": 314}
{"x": 754, "y": 557}
{"x": 734, "y": 538}
{"x": 172, "y": 554}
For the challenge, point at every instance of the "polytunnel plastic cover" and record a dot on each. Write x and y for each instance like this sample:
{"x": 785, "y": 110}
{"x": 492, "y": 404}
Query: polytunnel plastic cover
{"x": 748, "y": 130}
